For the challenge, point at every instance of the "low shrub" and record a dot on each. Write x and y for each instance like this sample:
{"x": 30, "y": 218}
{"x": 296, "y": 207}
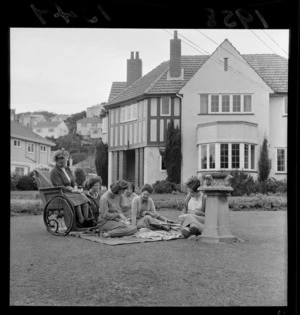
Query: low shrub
{"x": 26, "y": 182}
{"x": 164, "y": 187}
{"x": 244, "y": 184}
{"x": 14, "y": 178}
{"x": 18, "y": 206}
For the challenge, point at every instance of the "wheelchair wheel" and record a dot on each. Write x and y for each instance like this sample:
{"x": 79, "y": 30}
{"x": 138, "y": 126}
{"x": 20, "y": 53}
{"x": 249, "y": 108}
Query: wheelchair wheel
{"x": 59, "y": 216}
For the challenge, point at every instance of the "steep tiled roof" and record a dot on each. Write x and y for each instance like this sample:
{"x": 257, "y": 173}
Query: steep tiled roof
{"x": 272, "y": 68}
{"x": 47, "y": 124}
{"x": 116, "y": 89}
{"x": 89, "y": 120}
{"x": 19, "y": 131}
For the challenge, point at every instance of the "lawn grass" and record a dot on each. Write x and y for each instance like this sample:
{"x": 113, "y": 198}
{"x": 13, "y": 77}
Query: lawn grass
{"x": 68, "y": 271}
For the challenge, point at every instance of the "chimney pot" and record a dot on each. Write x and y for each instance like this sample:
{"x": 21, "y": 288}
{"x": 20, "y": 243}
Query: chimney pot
{"x": 175, "y": 35}
{"x": 132, "y": 55}
{"x": 136, "y": 55}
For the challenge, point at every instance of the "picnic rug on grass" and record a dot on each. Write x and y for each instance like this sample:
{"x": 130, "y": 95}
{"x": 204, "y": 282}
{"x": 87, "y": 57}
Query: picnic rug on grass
{"x": 142, "y": 236}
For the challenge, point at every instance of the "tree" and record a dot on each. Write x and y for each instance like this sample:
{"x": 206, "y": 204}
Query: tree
{"x": 79, "y": 176}
{"x": 172, "y": 156}
{"x": 264, "y": 163}
{"x": 71, "y": 121}
{"x": 101, "y": 161}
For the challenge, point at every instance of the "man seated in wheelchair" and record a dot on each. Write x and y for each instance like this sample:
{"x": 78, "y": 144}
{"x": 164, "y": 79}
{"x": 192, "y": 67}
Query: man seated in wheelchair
{"x": 61, "y": 175}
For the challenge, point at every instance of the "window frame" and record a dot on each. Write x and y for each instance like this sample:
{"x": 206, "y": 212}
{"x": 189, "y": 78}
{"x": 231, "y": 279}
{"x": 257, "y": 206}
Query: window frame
{"x": 41, "y": 148}
{"x": 285, "y": 160}
{"x": 161, "y": 105}
{"x": 18, "y": 141}
{"x": 28, "y": 145}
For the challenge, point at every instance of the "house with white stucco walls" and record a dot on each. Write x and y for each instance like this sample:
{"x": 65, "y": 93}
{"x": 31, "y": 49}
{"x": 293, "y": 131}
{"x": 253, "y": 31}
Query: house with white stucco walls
{"x": 224, "y": 104}
{"x": 228, "y": 107}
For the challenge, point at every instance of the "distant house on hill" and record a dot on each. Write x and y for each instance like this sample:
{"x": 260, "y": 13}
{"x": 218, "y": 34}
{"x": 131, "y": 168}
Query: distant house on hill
{"x": 53, "y": 129}
{"x": 59, "y": 118}
{"x": 30, "y": 120}
{"x": 28, "y": 150}
{"x": 90, "y": 127}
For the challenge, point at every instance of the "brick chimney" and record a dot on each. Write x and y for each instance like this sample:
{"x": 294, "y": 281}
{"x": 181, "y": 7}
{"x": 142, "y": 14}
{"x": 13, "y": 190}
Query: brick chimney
{"x": 134, "y": 68}
{"x": 175, "y": 56}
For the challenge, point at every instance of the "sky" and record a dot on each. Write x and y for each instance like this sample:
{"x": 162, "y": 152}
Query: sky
{"x": 66, "y": 70}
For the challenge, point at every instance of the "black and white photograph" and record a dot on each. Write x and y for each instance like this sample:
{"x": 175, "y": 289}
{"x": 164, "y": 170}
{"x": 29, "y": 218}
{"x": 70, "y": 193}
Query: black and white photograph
{"x": 148, "y": 166}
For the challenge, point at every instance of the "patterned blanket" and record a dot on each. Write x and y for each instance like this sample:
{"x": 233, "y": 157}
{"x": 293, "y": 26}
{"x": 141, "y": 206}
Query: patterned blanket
{"x": 143, "y": 235}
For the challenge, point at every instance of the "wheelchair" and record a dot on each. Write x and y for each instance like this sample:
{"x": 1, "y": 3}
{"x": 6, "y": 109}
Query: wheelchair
{"x": 59, "y": 214}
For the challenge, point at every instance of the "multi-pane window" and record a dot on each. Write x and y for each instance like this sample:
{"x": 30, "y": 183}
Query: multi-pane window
{"x": 125, "y": 134}
{"x": 252, "y": 148}
{"x": 153, "y": 130}
{"x": 144, "y": 131}
{"x": 43, "y": 148}
{"x": 104, "y": 125}
{"x": 19, "y": 171}
{"x": 225, "y": 104}
{"x": 129, "y": 112}
{"x": 227, "y": 156}
{"x": 131, "y": 133}
{"x": 94, "y": 124}
{"x": 38, "y": 130}
{"x": 140, "y": 132}
{"x": 212, "y": 156}
{"x": 176, "y": 123}
{"x": 236, "y": 103}
{"x": 135, "y": 133}
{"x": 145, "y": 108}
{"x": 161, "y": 130}
{"x": 121, "y": 134}
{"x": 153, "y": 107}
{"x": 224, "y": 155}
{"x": 247, "y": 103}
{"x": 51, "y": 130}
{"x": 17, "y": 143}
{"x": 95, "y": 131}
{"x": 176, "y": 107}
{"x": 82, "y": 125}
{"x": 214, "y": 103}
{"x": 203, "y": 103}
{"x": 30, "y": 147}
{"x": 203, "y": 156}
{"x": 111, "y": 137}
{"x": 134, "y": 113}
{"x": 165, "y": 106}
{"x": 246, "y": 156}
{"x": 281, "y": 160}
{"x": 235, "y": 155}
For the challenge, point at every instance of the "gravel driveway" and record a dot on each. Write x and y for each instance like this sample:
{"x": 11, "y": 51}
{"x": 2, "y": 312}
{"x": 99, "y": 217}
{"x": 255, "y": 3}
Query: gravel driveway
{"x": 68, "y": 271}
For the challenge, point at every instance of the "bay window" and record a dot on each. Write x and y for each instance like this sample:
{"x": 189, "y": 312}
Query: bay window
{"x": 220, "y": 156}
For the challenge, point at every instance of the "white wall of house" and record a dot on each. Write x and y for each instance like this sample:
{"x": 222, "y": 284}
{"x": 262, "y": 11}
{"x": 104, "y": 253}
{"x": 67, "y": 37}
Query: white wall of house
{"x": 278, "y": 134}
{"x": 85, "y": 129}
{"x": 212, "y": 79}
{"x": 54, "y": 131}
{"x": 21, "y": 158}
{"x": 152, "y": 166}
